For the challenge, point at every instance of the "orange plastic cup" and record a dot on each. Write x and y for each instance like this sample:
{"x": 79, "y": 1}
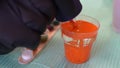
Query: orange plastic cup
{"x": 79, "y": 39}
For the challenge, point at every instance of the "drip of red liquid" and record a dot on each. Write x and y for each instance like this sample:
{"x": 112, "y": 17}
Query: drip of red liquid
{"x": 75, "y": 26}
{"x": 73, "y": 23}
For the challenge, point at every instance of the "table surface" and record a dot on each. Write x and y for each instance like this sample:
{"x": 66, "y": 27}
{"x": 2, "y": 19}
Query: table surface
{"x": 104, "y": 54}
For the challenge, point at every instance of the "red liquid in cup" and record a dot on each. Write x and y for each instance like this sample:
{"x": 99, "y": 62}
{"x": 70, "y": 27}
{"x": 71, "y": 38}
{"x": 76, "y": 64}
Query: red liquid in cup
{"x": 74, "y": 52}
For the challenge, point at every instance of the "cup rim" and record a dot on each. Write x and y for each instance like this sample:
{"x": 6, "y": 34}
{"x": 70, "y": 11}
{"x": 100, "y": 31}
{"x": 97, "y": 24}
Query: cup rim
{"x": 98, "y": 25}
